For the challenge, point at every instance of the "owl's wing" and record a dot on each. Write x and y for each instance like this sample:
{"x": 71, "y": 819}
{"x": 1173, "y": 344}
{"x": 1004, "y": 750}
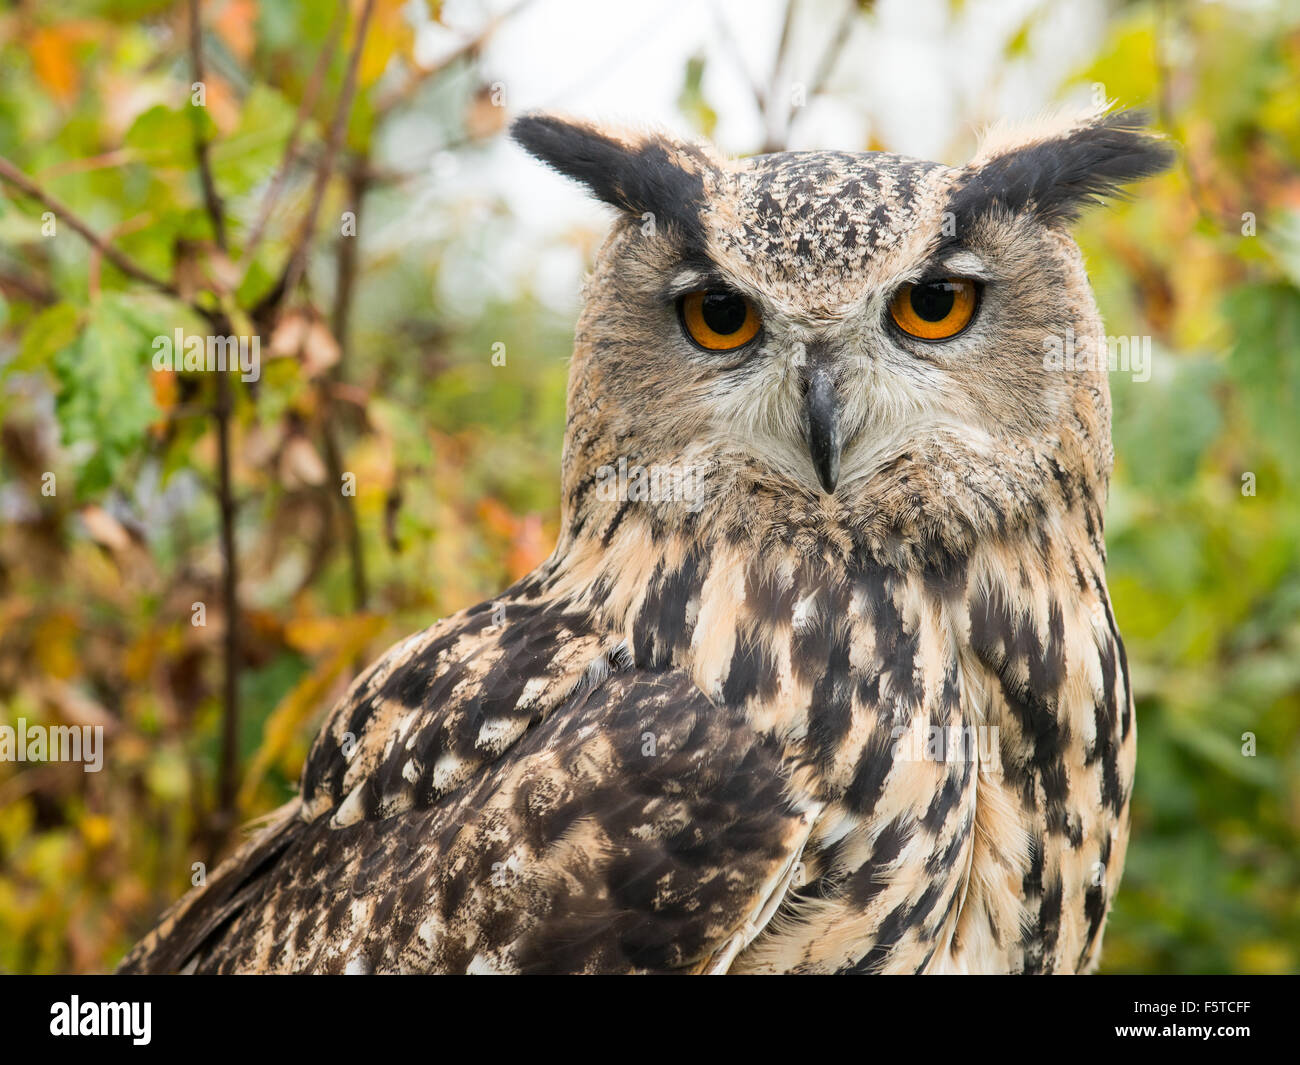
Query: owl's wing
{"x": 504, "y": 809}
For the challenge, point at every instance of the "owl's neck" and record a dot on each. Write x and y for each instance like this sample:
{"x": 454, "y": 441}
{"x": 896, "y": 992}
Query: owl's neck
{"x": 919, "y": 510}
{"x": 773, "y": 601}
{"x": 660, "y": 568}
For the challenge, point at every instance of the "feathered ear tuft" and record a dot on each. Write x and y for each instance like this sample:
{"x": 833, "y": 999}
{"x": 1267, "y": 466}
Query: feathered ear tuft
{"x": 1061, "y": 171}
{"x": 652, "y": 175}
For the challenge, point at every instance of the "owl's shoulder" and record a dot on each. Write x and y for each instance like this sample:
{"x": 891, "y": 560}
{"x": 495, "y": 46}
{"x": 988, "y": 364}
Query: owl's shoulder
{"x": 518, "y": 796}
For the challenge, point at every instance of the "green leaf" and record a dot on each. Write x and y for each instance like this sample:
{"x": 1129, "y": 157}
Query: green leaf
{"x": 52, "y": 330}
{"x": 163, "y": 137}
{"x": 1265, "y": 320}
{"x": 691, "y": 101}
{"x": 253, "y": 150}
{"x": 105, "y": 400}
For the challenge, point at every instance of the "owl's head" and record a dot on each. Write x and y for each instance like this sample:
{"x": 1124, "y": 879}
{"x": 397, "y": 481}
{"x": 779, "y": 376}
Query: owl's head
{"x": 840, "y": 337}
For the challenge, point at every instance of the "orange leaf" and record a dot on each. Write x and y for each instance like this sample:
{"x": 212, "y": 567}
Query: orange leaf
{"x": 236, "y": 25}
{"x": 53, "y": 62}
{"x": 529, "y": 548}
{"x": 166, "y": 393}
{"x": 497, "y": 519}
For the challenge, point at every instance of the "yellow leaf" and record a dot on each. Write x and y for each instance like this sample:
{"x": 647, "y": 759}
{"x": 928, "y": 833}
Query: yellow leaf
{"x": 97, "y": 830}
{"x": 389, "y": 34}
{"x": 292, "y": 713}
{"x": 55, "y": 641}
{"x": 316, "y": 635}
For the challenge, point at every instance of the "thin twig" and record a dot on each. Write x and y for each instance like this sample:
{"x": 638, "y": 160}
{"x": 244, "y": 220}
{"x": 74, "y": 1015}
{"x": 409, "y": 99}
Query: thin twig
{"x": 297, "y": 263}
{"x": 830, "y": 57}
{"x": 228, "y": 773}
{"x": 340, "y": 317}
{"x": 782, "y": 44}
{"x": 468, "y": 49}
{"x": 130, "y": 225}
{"x": 117, "y": 157}
{"x": 773, "y": 139}
{"x": 358, "y": 178}
{"x": 202, "y": 149}
{"x": 347, "y": 507}
{"x": 388, "y": 176}
{"x": 28, "y": 289}
{"x": 128, "y": 266}
{"x": 738, "y": 57}
{"x": 1165, "y": 113}
{"x": 226, "y": 814}
{"x": 310, "y": 93}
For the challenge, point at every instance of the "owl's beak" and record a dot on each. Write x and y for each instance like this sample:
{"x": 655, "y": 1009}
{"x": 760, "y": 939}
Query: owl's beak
{"x": 821, "y": 407}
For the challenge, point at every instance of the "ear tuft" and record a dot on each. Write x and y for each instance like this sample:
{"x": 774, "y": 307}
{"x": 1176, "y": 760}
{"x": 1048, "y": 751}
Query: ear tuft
{"x": 651, "y": 175}
{"x": 1060, "y": 173}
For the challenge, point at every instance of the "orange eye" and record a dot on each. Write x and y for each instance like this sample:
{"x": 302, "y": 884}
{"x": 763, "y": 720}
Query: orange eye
{"x": 719, "y": 321}
{"x": 934, "y": 310}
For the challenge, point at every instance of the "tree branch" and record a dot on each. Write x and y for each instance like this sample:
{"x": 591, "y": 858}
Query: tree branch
{"x": 773, "y": 139}
{"x": 24, "y": 287}
{"x": 130, "y": 225}
{"x": 297, "y": 263}
{"x": 340, "y": 316}
{"x": 738, "y": 57}
{"x": 835, "y": 46}
{"x": 226, "y": 815}
{"x": 826, "y": 65}
{"x": 468, "y": 49}
{"x": 128, "y": 266}
{"x": 202, "y": 149}
{"x": 1165, "y": 114}
{"x": 310, "y": 93}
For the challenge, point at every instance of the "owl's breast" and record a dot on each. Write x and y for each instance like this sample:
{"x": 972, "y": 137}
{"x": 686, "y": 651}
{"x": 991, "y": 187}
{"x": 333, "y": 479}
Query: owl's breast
{"x": 969, "y": 735}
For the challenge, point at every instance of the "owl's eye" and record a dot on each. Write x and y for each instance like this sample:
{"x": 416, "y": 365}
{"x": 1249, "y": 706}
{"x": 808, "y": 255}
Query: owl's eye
{"x": 718, "y": 320}
{"x": 935, "y": 310}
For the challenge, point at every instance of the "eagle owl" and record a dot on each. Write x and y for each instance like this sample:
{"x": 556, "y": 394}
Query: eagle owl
{"x": 822, "y": 675}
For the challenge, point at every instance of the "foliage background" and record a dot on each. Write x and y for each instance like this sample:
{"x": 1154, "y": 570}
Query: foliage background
{"x": 378, "y": 362}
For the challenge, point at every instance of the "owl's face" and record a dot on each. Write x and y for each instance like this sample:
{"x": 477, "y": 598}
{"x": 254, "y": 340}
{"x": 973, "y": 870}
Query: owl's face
{"x": 803, "y": 320}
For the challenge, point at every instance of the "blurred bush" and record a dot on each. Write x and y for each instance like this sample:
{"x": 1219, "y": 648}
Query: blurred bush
{"x": 1203, "y": 528}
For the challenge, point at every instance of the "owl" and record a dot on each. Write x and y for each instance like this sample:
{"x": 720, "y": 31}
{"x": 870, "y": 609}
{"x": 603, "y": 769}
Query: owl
{"x": 822, "y": 675}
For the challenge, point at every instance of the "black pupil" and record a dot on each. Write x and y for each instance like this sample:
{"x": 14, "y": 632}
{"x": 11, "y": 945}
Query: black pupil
{"x": 933, "y": 300}
{"x": 723, "y": 312}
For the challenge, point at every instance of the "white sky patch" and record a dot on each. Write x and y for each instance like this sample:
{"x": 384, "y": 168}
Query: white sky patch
{"x": 912, "y": 76}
